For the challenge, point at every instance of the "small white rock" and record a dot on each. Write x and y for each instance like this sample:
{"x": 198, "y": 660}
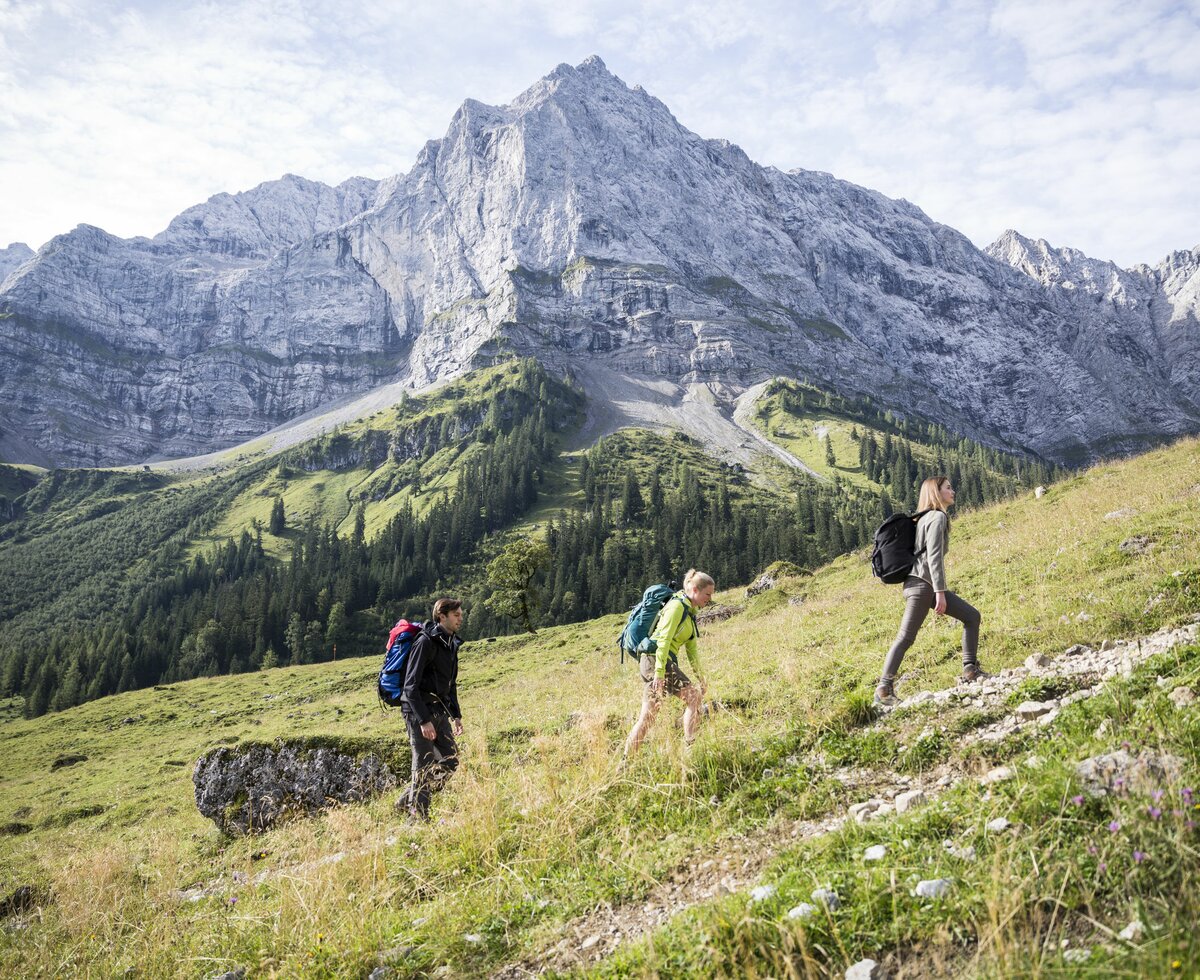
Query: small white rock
{"x": 912, "y": 798}
{"x": 863, "y": 970}
{"x": 998, "y": 826}
{"x": 474, "y": 937}
{"x": 876, "y": 852}
{"x": 1035, "y": 762}
{"x": 1077, "y": 955}
{"x": 997, "y": 775}
{"x": 590, "y": 941}
{"x": 933, "y": 888}
{"x": 1133, "y": 932}
{"x": 801, "y": 911}
{"x": 1181, "y": 697}
{"x": 762, "y": 893}
{"x": 1028, "y": 710}
{"x": 827, "y": 897}
{"x": 1036, "y": 660}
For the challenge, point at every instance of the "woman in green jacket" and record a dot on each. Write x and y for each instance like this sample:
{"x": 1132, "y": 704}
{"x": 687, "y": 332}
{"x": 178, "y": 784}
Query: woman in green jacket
{"x": 674, "y": 629}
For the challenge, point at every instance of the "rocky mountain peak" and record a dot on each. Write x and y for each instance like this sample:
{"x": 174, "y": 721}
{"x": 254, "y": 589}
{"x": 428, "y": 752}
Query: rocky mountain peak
{"x": 12, "y": 258}
{"x": 583, "y": 225}
{"x": 276, "y": 214}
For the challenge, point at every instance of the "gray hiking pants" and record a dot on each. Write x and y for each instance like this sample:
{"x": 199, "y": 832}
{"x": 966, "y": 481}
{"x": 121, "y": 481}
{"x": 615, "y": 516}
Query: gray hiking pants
{"x": 433, "y": 761}
{"x": 918, "y": 600}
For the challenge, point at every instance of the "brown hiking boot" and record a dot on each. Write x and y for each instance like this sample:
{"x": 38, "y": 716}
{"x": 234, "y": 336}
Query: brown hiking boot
{"x": 885, "y": 695}
{"x": 972, "y": 673}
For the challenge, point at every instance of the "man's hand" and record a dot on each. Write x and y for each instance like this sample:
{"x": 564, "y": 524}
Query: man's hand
{"x": 939, "y": 604}
{"x": 658, "y": 684}
{"x": 428, "y": 731}
{"x": 457, "y": 726}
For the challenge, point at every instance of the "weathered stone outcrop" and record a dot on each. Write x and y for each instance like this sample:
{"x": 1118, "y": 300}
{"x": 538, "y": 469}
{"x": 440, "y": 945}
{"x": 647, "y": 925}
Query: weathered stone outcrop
{"x": 249, "y": 788}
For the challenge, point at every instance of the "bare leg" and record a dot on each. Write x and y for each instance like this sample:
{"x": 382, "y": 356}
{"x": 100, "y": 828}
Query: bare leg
{"x": 691, "y": 715}
{"x": 638, "y": 733}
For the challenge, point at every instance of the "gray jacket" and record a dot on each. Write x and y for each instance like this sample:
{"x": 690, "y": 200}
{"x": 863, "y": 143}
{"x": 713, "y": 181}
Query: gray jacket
{"x": 933, "y": 534}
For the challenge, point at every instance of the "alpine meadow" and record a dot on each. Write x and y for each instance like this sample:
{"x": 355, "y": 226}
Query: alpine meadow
{"x": 476, "y": 572}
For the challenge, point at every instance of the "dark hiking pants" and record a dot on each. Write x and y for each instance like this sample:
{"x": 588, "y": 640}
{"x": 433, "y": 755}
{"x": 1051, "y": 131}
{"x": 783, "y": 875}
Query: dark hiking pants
{"x": 433, "y": 761}
{"x": 918, "y": 601}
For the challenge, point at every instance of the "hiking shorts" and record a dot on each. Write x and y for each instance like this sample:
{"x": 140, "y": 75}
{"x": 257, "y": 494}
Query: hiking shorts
{"x": 675, "y": 679}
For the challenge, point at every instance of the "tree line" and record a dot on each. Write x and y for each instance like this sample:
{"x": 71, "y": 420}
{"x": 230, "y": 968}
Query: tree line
{"x": 650, "y": 506}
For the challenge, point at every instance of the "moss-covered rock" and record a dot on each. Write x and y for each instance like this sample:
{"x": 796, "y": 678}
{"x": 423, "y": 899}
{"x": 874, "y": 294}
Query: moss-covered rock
{"x": 251, "y": 786}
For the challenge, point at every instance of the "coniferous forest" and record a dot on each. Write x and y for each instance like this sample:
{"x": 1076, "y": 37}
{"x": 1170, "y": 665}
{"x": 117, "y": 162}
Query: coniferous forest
{"x": 102, "y": 594}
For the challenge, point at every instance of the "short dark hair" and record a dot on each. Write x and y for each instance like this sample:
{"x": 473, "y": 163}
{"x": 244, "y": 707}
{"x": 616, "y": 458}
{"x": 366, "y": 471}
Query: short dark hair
{"x": 443, "y": 607}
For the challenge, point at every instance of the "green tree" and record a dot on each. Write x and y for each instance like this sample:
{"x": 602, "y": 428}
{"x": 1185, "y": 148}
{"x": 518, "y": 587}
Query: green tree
{"x": 632, "y": 504}
{"x": 830, "y": 458}
{"x": 511, "y": 575}
{"x": 278, "y": 518}
{"x": 294, "y": 637}
{"x": 335, "y": 628}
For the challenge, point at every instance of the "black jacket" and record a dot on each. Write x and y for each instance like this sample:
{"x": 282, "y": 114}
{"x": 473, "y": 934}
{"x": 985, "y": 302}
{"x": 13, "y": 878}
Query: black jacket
{"x": 431, "y": 677}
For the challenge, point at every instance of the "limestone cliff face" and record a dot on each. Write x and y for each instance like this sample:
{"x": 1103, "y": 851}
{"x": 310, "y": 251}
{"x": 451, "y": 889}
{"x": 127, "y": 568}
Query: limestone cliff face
{"x": 581, "y": 222}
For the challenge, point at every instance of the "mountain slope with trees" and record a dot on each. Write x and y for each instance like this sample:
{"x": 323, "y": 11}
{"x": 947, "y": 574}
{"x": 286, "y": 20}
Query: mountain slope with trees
{"x": 123, "y": 579}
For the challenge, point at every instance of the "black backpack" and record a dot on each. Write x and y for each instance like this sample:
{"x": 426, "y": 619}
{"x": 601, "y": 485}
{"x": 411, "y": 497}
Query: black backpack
{"x": 894, "y": 557}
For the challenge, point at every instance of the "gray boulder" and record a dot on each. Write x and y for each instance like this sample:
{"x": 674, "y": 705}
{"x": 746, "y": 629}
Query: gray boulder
{"x": 248, "y": 788}
{"x": 1147, "y": 771}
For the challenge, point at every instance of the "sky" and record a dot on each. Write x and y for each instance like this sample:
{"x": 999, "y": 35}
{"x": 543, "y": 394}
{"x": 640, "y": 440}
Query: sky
{"x": 1077, "y": 121}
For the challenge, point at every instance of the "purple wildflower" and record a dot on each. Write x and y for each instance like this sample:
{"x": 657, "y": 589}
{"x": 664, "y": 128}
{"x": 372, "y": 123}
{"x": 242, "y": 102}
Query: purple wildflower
{"x": 1156, "y": 795}
{"x": 1077, "y": 800}
{"x": 1154, "y": 812}
{"x": 1125, "y": 745}
{"x": 1102, "y": 867}
{"x": 1186, "y": 793}
{"x": 1114, "y": 827}
{"x": 1092, "y": 850}
{"x": 1139, "y": 857}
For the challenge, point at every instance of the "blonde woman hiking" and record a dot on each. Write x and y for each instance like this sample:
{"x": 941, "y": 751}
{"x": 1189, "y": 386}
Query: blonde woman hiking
{"x": 925, "y": 589}
{"x": 674, "y": 629}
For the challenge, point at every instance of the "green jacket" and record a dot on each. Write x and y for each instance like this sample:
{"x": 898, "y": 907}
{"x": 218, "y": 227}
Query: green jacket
{"x": 675, "y": 629}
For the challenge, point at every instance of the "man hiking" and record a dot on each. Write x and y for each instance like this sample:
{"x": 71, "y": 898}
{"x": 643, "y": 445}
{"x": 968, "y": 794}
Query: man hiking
{"x": 430, "y": 704}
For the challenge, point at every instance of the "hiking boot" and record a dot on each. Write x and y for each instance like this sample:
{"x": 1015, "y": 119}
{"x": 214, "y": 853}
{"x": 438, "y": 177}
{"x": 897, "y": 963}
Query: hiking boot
{"x": 972, "y": 673}
{"x": 885, "y": 695}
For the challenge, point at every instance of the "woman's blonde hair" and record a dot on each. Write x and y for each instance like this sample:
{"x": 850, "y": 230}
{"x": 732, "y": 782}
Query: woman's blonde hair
{"x": 931, "y": 494}
{"x": 697, "y": 580}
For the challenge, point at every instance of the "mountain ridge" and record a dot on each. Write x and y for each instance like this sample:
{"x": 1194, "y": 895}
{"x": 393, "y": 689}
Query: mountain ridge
{"x": 579, "y": 222}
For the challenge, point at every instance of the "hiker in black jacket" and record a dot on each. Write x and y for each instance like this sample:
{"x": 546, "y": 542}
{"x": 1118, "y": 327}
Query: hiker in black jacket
{"x": 430, "y": 704}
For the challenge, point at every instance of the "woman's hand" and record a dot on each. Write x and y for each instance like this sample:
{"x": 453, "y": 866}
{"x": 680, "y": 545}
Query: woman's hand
{"x": 939, "y": 604}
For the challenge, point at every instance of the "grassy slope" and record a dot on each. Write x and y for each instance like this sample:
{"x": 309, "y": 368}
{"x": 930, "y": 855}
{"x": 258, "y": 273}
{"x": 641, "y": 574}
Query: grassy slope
{"x": 142, "y": 512}
{"x": 538, "y": 826}
{"x": 15, "y": 479}
{"x": 803, "y": 433}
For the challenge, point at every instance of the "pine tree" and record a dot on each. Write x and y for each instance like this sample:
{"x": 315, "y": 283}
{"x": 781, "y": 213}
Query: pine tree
{"x": 278, "y": 518}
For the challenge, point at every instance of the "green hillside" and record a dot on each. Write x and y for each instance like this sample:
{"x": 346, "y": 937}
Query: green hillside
{"x": 853, "y": 441}
{"x": 122, "y": 579}
{"x": 539, "y": 828}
